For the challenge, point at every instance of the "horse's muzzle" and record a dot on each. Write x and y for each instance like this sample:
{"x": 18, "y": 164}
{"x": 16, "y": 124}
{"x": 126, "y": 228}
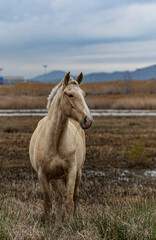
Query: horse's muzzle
{"x": 86, "y": 122}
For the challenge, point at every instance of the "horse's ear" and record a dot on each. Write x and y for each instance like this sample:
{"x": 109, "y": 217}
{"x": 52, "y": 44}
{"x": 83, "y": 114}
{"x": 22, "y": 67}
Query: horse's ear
{"x": 67, "y": 78}
{"x": 79, "y": 78}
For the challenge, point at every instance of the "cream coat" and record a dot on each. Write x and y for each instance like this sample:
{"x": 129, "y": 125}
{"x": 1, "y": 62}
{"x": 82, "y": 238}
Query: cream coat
{"x": 57, "y": 147}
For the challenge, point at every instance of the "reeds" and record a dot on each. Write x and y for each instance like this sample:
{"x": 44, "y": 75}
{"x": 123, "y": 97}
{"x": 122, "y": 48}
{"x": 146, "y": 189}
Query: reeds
{"x": 22, "y": 102}
{"x": 122, "y": 101}
{"x": 94, "y": 102}
{"x": 114, "y": 95}
{"x": 94, "y": 88}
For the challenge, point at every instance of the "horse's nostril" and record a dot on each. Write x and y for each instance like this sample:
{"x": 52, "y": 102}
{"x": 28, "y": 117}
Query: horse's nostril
{"x": 86, "y": 122}
{"x": 85, "y": 119}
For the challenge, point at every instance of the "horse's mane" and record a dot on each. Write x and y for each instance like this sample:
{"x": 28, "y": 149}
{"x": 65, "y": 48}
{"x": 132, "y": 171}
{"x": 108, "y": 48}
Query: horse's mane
{"x": 52, "y": 94}
{"x": 55, "y": 90}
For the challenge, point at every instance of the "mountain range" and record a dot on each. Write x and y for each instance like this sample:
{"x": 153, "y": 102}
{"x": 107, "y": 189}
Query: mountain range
{"x": 139, "y": 74}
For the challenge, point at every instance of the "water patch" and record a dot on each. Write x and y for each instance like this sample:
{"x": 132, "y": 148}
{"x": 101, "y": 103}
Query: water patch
{"x": 121, "y": 175}
{"x": 21, "y": 110}
{"x": 36, "y": 112}
{"x": 21, "y": 114}
{"x": 149, "y": 173}
{"x": 95, "y": 112}
{"x": 123, "y": 112}
{"x": 91, "y": 173}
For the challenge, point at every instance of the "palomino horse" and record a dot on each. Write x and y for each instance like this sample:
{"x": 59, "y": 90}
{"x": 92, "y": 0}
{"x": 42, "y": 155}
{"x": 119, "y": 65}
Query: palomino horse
{"x": 57, "y": 147}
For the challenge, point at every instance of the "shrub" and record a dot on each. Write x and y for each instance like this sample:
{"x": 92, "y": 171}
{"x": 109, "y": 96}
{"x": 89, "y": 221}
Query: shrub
{"x": 136, "y": 155}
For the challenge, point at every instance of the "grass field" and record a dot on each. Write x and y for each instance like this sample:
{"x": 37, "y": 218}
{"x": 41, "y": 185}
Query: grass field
{"x": 114, "y": 95}
{"x": 117, "y": 198}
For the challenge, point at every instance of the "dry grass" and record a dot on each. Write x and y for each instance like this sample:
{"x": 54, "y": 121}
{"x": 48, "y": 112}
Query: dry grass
{"x": 136, "y": 154}
{"x": 114, "y": 95}
{"x": 27, "y": 89}
{"x": 121, "y": 87}
{"x": 94, "y": 102}
{"x": 129, "y": 102}
{"x": 129, "y": 220}
{"x": 22, "y": 102}
{"x": 98, "y": 88}
{"x": 111, "y": 207}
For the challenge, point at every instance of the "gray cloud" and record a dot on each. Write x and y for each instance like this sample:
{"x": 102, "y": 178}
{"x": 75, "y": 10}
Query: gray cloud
{"x": 88, "y": 35}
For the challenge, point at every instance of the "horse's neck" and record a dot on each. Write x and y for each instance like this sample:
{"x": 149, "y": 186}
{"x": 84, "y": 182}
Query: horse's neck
{"x": 57, "y": 123}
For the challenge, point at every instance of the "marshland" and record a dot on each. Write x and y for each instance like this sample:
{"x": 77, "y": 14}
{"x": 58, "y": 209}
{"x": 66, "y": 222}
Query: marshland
{"x": 105, "y": 95}
{"x": 118, "y": 188}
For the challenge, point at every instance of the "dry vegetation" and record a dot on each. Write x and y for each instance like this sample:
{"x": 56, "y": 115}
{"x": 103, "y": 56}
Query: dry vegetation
{"x": 114, "y": 95}
{"x": 112, "y": 207}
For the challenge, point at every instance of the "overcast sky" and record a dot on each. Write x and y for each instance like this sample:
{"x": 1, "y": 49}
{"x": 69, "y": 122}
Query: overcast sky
{"x": 70, "y": 35}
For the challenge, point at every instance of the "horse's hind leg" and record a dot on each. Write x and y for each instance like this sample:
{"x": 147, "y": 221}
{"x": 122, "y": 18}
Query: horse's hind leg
{"x": 76, "y": 192}
{"x": 46, "y": 195}
{"x": 58, "y": 202}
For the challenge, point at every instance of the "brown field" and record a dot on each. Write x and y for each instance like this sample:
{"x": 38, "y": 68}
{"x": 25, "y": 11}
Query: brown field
{"x": 114, "y": 95}
{"x": 94, "y": 102}
{"x": 113, "y": 206}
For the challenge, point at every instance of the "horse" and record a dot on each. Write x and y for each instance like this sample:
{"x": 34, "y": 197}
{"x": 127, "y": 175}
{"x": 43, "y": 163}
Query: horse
{"x": 57, "y": 147}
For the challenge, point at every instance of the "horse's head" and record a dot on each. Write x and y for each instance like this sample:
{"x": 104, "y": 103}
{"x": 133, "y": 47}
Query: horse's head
{"x": 73, "y": 103}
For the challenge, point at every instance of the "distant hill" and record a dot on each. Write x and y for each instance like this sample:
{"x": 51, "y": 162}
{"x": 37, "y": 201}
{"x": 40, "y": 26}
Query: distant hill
{"x": 53, "y": 76}
{"x": 139, "y": 74}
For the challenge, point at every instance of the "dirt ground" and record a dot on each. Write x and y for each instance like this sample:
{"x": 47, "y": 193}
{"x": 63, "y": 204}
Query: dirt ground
{"x": 114, "y": 186}
{"x": 113, "y": 144}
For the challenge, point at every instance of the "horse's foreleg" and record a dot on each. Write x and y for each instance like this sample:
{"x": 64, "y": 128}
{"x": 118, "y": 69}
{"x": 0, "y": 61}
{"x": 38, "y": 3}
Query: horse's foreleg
{"x": 46, "y": 195}
{"x": 58, "y": 202}
{"x": 71, "y": 178}
{"x": 76, "y": 191}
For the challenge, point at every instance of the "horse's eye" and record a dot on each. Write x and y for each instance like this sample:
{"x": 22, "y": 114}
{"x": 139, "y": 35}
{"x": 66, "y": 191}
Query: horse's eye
{"x": 70, "y": 95}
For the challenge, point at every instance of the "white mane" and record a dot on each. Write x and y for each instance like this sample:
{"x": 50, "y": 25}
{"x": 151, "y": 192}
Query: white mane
{"x": 55, "y": 90}
{"x": 52, "y": 94}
